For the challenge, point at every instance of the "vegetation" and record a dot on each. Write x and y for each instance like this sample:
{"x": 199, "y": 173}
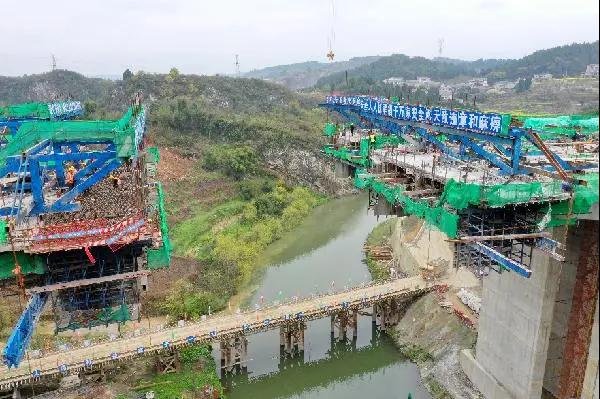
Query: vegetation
{"x": 415, "y": 353}
{"x": 436, "y": 389}
{"x": 380, "y": 235}
{"x": 306, "y": 74}
{"x": 197, "y": 374}
{"x": 228, "y": 239}
{"x": 568, "y": 60}
{"x": 234, "y": 161}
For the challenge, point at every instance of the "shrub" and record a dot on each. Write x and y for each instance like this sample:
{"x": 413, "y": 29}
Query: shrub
{"x": 234, "y": 161}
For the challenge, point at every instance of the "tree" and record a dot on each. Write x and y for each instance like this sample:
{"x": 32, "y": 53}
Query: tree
{"x": 523, "y": 85}
{"x": 127, "y": 75}
{"x": 90, "y": 107}
{"x": 173, "y": 73}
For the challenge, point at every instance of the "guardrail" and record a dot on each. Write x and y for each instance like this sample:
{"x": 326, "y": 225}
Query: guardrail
{"x": 300, "y": 310}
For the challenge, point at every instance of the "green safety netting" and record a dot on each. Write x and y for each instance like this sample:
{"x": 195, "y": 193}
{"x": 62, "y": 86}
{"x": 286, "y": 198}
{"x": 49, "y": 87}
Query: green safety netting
{"x": 347, "y": 155}
{"x": 26, "y": 110}
{"x": 110, "y": 315}
{"x": 30, "y": 264}
{"x": 119, "y": 314}
{"x": 435, "y": 215}
{"x": 550, "y": 127}
{"x": 161, "y": 257}
{"x": 361, "y": 157}
{"x": 125, "y": 133}
{"x": 3, "y": 232}
{"x": 458, "y": 196}
{"x": 329, "y": 129}
{"x": 461, "y": 195}
{"x": 154, "y": 153}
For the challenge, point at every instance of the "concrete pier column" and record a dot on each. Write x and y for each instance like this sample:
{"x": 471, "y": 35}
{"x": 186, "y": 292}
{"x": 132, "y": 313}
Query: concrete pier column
{"x": 342, "y": 170}
{"x": 387, "y": 314}
{"x": 520, "y": 317}
{"x": 581, "y": 318}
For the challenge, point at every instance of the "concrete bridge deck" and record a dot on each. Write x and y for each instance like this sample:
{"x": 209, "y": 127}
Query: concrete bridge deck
{"x": 214, "y": 329}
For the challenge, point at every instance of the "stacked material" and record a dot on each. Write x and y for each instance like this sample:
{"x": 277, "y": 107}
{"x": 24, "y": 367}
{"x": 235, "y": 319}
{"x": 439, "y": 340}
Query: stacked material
{"x": 469, "y": 299}
{"x": 113, "y": 197}
{"x": 379, "y": 253}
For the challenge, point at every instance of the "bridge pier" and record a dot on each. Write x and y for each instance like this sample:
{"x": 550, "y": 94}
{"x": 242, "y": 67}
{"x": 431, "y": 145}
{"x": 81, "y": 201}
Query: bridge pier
{"x": 234, "y": 353}
{"x": 386, "y": 314}
{"x": 14, "y": 394}
{"x": 342, "y": 170}
{"x": 167, "y": 362}
{"x": 92, "y": 376}
{"x": 343, "y": 321}
{"x": 291, "y": 337}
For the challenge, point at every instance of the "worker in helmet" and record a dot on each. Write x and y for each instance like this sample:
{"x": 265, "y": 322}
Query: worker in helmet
{"x": 371, "y": 140}
{"x": 116, "y": 180}
{"x": 70, "y": 175}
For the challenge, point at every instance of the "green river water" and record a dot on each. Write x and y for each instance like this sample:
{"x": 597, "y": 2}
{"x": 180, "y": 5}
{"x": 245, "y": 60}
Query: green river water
{"x": 326, "y": 248}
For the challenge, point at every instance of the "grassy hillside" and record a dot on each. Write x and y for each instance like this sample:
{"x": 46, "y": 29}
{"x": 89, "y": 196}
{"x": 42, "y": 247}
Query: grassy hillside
{"x": 305, "y": 74}
{"x": 224, "y": 205}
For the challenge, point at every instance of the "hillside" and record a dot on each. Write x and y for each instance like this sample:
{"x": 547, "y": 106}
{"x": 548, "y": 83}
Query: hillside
{"x": 306, "y": 74}
{"x": 571, "y": 59}
{"x": 239, "y": 165}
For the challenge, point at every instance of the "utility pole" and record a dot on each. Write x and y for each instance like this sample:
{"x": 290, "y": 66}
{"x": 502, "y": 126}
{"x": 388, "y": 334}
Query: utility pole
{"x": 237, "y": 65}
{"x": 53, "y": 62}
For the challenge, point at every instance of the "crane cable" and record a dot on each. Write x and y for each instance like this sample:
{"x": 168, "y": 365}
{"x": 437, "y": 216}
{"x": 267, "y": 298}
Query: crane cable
{"x": 331, "y": 36}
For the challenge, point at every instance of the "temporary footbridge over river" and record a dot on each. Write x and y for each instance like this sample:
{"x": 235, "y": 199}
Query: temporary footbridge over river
{"x": 230, "y": 331}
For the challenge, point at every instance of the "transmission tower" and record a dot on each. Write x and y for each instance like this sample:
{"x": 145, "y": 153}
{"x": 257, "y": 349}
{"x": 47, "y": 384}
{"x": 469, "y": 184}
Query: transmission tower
{"x": 440, "y": 46}
{"x": 53, "y": 62}
{"x": 237, "y": 65}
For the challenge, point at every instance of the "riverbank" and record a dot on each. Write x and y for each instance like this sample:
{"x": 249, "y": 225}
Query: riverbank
{"x": 429, "y": 334}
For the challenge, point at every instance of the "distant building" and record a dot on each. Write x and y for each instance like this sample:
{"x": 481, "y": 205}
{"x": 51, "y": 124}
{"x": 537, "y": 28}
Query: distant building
{"x": 505, "y": 85}
{"x": 592, "y": 71}
{"x": 423, "y": 81}
{"x": 446, "y": 92}
{"x": 541, "y": 76}
{"x": 477, "y": 82}
{"x": 394, "y": 81}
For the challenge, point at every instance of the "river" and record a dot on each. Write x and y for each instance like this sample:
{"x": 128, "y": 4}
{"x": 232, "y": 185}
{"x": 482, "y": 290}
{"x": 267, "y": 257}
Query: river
{"x": 325, "y": 251}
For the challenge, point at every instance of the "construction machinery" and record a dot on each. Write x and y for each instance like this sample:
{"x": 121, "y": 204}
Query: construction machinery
{"x": 82, "y": 217}
{"x": 492, "y": 183}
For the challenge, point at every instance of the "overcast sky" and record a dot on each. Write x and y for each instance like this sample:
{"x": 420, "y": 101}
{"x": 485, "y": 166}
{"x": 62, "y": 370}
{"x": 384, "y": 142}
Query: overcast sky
{"x": 103, "y": 37}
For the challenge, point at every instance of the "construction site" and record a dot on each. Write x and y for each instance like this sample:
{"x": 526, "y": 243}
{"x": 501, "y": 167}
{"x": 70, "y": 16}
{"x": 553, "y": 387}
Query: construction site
{"x": 517, "y": 197}
{"x": 82, "y": 218}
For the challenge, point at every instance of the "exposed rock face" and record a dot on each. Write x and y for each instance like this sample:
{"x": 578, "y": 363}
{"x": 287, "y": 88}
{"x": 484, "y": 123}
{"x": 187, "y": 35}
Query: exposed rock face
{"x": 306, "y": 167}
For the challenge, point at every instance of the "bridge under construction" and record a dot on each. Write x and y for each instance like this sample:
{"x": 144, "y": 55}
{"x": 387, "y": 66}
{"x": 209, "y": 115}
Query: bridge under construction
{"x": 517, "y": 197}
{"x": 82, "y": 218}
